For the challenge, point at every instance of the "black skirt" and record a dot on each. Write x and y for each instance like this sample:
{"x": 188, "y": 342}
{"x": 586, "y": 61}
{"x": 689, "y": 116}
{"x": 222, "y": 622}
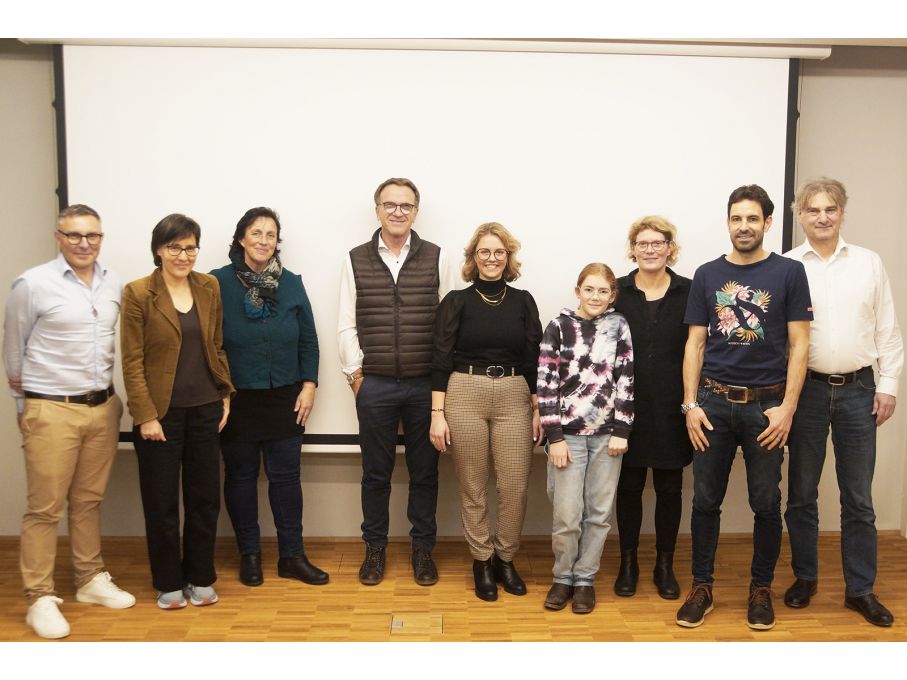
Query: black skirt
{"x": 263, "y": 415}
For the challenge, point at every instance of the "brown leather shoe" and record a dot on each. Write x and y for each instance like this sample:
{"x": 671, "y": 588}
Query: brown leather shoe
{"x": 371, "y": 573}
{"x": 424, "y": 571}
{"x": 871, "y": 609}
{"x": 583, "y": 599}
{"x": 558, "y": 596}
{"x": 797, "y": 596}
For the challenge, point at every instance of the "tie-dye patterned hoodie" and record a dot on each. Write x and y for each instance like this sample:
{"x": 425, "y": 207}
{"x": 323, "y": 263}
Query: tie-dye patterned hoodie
{"x": 585, "y": 378}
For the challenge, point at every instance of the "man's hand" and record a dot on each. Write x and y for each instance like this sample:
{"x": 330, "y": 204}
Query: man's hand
{"x": 559, "y": 454}
{"x": 15, "y": 383}
{"x": 696, "y": 419}
{"x": 779, "y": 422}
{"x": 883, "y": 407}
{"x": 355, "y": 385}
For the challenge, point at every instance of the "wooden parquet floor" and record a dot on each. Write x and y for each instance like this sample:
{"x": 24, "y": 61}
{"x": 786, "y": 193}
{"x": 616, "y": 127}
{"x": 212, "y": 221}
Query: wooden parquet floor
{"x": 400, "y": 610}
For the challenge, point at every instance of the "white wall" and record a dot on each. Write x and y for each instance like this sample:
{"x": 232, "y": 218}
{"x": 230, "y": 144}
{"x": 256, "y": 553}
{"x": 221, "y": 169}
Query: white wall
{"x": 851, "y": 127}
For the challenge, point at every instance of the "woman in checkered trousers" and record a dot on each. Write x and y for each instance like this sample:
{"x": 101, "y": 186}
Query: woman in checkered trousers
{"x": 585, "y": 394}
{"x": 484, "y": 407}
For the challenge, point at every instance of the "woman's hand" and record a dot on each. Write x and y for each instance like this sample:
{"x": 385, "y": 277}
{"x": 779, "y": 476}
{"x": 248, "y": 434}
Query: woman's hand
{"x": 304, "y": 402}
{"x": 223, "y": 418}
{"x": 439, "y": 432}
{"x": 559, "y": 454}
{"x": 152, "y": 431}
{"x": 617, "y": 446}
{"x": 537, "y": 432}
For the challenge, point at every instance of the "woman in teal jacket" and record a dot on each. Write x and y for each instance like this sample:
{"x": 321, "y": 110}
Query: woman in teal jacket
{"x": 272, "y": 349}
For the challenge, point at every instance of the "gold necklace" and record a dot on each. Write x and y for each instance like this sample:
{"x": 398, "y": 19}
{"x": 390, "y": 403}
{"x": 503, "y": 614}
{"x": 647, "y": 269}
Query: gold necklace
{"x": 492, "y": 300}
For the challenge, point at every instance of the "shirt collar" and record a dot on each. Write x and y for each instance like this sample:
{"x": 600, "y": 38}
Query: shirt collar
{"x": 841, "y": 247}
{"x": 63, "y": 266}
{"x": 383, "y": 245}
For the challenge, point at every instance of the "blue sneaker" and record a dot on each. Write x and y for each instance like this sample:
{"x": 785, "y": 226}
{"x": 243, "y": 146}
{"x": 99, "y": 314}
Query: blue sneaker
{"x": 200, "y": 596}
{"x": 171, "y": 600}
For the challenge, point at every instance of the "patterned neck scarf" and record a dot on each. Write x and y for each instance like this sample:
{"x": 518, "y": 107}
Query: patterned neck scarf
{"x": 261, "y": 287}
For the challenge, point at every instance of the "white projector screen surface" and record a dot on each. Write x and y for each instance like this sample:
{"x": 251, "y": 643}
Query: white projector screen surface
{"x": 566, "y": 150}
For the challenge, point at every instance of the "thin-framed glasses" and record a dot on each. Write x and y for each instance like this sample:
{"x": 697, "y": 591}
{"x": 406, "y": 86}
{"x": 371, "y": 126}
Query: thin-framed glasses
{"x": 75, "y": 238}
{"x": 390, "y": 208}
{"x": 656, "y": 246}
{"x": 485, "y": 253}
{"x": 174, "y": 250}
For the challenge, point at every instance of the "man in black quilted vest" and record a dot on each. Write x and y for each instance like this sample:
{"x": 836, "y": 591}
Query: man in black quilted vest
{"x": 389, "y": 290}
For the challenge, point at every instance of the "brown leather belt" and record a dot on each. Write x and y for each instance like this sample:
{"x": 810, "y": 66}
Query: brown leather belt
{"x": 741, "y": 395}
{"x": 91, "y": 398}
{"x": 838, "y": 379}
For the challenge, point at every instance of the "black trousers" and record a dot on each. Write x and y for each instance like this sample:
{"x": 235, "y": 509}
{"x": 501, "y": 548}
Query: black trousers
{"x": 192, "y": 452}
{"x": 382, "y": 403}
{"x": 668, "y": 506}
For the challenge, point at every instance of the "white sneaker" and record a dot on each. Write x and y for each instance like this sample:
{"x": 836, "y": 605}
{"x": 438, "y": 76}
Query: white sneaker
{"x": 45, "y": 618}
{"x": 102, "y": 590}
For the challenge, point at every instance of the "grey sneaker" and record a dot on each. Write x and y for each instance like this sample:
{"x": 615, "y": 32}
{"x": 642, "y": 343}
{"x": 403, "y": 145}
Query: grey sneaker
{"x": 171, "y": 600}
{"x": 698, "y": 603}
{"x": 200, "y": 596}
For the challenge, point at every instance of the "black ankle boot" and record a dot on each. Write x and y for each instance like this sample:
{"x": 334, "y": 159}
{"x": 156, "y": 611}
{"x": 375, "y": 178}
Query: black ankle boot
{"x": 486, "y": 588}
{"x": 627, "y": 575}
{"x": 663, "y": 576}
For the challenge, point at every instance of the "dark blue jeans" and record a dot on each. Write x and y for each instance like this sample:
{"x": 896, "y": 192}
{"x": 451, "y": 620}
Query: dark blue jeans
{"x": 241, "y": 467}
{"x": 191, "y": 456}
{"x": 736, "y": 425}
{"x": 382, "y": 404}
{"x": 847, "y": 409}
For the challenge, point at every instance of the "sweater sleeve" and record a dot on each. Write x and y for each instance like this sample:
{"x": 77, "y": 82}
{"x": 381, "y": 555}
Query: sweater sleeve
{"x": 533, "y": 331}
{"x": 623, "y": 382}
{"x": 548, "y": 382}
{"x": 447, "y": 327}
{"x": 308, "y": 338}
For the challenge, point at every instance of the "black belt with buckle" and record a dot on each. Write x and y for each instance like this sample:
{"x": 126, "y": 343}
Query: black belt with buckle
{"x": 90, "y": 399}
{"x": 492, "y": 371}
{"x": 741, "y": 395}
{"x": 838, "y": 379}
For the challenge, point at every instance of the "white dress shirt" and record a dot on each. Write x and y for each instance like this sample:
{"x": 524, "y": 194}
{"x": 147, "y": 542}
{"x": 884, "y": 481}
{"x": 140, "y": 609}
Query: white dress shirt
{"x": 59, "y": 334}
{"x": 347, "y": 334}
{"x": 854, "y": 322}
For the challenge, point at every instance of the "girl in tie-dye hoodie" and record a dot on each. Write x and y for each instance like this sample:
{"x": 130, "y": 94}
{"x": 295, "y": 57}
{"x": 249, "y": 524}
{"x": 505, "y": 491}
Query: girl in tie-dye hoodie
{"x": 585, "y": 393}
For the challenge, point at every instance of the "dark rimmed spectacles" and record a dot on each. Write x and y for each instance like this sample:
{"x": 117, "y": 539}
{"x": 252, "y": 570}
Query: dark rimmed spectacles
{"x": 390, "y": 208}
{"x": 485, "y": 254}
{"x": 174, "y": 250}
{"x": 75, "y": 238}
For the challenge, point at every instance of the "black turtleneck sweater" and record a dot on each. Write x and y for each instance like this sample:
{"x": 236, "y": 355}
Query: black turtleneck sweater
{"x": 470, "y": 331}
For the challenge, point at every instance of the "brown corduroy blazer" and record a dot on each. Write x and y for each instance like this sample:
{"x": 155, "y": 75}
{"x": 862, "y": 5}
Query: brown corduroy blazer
{"x": 150, "y": 340}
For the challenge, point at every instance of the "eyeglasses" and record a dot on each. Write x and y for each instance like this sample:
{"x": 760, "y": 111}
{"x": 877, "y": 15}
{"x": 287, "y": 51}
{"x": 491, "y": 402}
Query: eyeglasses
{"x": 485, "y": 254}
{"x": 75, "y": 238}
{"x": 390, "y": 208}
{"x": 656, "y": 246}
{"x": 174, "y": 250}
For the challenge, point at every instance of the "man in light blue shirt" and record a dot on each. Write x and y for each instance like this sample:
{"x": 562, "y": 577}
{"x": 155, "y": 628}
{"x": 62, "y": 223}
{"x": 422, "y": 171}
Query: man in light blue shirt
{"x": 58, "y": 351}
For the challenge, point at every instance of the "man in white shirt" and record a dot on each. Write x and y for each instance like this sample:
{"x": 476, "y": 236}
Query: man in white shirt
{"x": 58, "y": 351}
{"x": 389, "y": 292}
{"x": 854, "y": 328}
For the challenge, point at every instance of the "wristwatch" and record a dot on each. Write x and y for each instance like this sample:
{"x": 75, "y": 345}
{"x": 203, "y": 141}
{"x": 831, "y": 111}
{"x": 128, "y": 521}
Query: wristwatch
{"x": 686, "y": 408}
{"x": 354, "y": 376}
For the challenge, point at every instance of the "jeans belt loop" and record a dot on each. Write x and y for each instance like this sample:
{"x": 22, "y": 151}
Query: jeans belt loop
{"x": 488, "y": 371}
{"x": 737, "y": 390}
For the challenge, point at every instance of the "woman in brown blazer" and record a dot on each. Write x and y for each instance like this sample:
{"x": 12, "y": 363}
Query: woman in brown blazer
{"x": 178, "y": 391}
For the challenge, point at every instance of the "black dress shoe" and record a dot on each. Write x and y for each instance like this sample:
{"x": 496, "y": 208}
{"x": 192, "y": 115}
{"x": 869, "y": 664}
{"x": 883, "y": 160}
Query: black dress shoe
{"x": 797, "y": 596}
{"x": 371, "y": 573}
{"x": 663, "y": 576}
{"x": 558, "y": 596}
{"x": 424, "y": 571}
{"x": 871, "y": 609}
{"x": 505, "y": 574}
{"x": 250, "y": 570}
{"x": 583, "y": 599}
{"x": 486, "y": 588}
{"x": 627, "y": 575}
{"x": 300, "y": 568}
